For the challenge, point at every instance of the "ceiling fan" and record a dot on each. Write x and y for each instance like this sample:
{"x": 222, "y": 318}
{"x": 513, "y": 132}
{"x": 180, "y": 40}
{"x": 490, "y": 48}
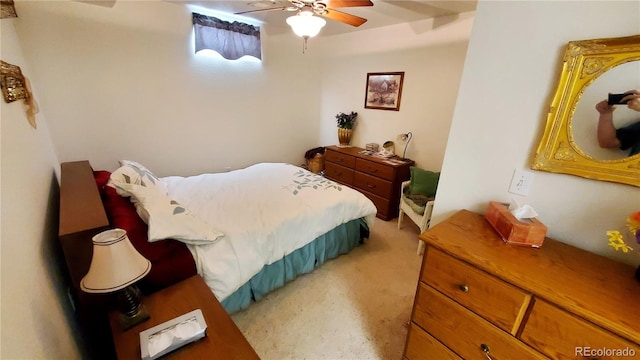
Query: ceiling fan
{"x": 323, "y": 8}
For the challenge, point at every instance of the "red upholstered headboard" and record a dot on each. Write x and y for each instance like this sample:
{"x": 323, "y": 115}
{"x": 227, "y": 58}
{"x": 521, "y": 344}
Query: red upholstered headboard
{"x": 83, "y": 200}
{"x": 88, "y": 206}
{"x": 171, "y": 261}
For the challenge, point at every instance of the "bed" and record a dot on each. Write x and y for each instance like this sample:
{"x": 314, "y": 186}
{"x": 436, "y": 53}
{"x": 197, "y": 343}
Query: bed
{"x": 270, "y": 223}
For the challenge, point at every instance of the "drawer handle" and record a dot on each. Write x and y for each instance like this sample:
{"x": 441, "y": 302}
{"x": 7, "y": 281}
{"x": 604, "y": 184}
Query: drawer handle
{"x": 370, "y": 186}
{"x": 339, "y": 173}
{"x": 339, "y": 160}
{"x": 373, "y": 170}
{"x": 485, "y": 349}
{"x": 464, "y": 288}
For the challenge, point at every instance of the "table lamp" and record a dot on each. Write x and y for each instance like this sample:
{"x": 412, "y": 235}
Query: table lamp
{"x": 115, "y": 267}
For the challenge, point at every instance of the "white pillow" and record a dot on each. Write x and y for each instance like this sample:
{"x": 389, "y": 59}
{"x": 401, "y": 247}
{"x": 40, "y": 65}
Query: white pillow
{"x": 131, "y": 172}
{"x": 166, "y": 218}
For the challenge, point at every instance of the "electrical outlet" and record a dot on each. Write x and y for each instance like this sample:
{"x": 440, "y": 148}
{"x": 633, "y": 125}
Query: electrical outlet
{"x": 227, "y": 168}
{"x": 521, "y": 182}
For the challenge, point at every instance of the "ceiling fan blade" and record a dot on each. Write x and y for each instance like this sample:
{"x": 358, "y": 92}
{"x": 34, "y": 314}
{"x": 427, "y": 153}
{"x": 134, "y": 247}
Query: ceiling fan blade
{"x": 344, "y": 17}
{"x": 260, "y": 10}
{"x": 346, "y": 3}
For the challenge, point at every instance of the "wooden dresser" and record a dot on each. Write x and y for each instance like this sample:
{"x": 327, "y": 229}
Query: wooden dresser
{"x": 479, "y": 298}
{"x": 376, "y": 178}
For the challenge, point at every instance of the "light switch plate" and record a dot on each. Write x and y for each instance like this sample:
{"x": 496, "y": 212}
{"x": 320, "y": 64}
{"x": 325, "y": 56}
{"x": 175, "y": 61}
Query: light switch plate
{"x": 521, "y": 182}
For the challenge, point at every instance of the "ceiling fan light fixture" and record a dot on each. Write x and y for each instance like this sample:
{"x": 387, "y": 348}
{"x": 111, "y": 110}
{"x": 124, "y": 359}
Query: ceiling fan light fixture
{"x": 305, "y": 25}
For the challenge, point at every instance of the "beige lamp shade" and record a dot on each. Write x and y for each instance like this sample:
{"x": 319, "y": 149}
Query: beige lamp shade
{"x": 115, "y": 264}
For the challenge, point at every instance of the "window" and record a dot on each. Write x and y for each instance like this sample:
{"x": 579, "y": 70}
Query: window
{"x": 231, "y": 40}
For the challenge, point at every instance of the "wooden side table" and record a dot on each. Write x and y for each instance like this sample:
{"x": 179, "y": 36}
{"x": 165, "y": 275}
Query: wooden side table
{"x": 223, "y": 341}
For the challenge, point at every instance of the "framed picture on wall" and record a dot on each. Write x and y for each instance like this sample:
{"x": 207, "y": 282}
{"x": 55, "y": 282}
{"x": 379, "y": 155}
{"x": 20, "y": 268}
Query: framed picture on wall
{"x": 384, "y": 90}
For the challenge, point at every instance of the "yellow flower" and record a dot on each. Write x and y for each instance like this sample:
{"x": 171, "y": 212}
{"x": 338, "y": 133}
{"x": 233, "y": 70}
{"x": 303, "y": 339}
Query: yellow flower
{"x": 617, "y": 242}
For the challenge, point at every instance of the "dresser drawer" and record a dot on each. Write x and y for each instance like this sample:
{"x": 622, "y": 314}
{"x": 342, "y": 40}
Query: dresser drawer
{"x": 422, "y": 346}
{"x": 373, "y": 184}
{"x": 500, "y": 303}
{"x": 467, "y": 333}
{"x": 562, "y": 335}
{"x": 380, "y": 170}
{"x": 338, "y": 173}
{"x": 339, "y": 158}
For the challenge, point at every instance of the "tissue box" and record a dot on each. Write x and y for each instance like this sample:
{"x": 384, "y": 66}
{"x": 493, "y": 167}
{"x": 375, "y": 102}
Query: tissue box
{"x": 526, "y": 232}
{"x": 171, "y": 335}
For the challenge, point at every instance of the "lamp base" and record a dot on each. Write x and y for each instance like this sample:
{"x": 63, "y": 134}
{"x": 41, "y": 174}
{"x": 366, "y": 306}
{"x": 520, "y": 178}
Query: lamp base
{"x": 132, "y": 311}
{"x": 127, "y": 322}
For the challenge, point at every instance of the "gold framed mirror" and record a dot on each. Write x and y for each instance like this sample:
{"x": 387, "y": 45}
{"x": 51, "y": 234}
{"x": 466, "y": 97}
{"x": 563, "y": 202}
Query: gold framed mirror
{"x": 583, "y": 63}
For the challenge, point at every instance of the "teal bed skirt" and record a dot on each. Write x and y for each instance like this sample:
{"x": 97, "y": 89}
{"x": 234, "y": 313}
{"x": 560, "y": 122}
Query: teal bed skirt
{"x": 338, "y": 241}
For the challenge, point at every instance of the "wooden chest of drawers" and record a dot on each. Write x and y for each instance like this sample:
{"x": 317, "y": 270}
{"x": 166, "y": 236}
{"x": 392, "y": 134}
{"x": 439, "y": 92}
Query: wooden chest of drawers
{"x": 478, "y": 296}
{"x": 377, "y": 179}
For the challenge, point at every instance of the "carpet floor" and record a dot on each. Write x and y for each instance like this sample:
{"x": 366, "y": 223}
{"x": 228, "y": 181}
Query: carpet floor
{"x": 356, "y": 306}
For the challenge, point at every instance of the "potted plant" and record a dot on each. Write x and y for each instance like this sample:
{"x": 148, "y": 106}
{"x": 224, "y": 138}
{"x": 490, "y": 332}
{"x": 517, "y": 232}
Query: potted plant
{"x": 345, "y": 122}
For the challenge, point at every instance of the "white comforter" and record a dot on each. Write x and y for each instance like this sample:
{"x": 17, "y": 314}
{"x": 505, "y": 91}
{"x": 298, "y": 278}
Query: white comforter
{"x": 265, "y": 211}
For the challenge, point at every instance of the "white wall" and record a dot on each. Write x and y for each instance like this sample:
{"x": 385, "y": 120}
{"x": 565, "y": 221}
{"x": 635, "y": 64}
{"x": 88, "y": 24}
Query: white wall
{"x": 123, "y": 82}
{"x": 35, "y": 316}
{"x": 431, "y": 53}
{"x": 510, "y": 74}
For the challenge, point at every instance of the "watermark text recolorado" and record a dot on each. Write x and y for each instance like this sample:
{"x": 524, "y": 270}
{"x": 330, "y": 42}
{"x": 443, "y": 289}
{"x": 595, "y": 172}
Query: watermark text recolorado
{"x": 589, "y": 351}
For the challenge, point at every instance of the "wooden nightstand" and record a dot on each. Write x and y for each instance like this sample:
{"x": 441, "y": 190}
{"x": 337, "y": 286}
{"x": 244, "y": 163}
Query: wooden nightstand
{"x": 223, "y": 341}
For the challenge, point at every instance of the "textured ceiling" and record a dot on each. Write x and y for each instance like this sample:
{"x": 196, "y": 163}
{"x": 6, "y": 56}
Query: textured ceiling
{"x": 383, "y": 13}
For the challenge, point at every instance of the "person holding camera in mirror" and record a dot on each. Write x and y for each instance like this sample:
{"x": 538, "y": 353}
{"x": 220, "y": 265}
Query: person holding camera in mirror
{"x": 624, "y": 138}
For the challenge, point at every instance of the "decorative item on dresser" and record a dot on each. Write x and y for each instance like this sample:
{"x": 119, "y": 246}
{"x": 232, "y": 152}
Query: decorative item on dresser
{"x": 345, "y": 122}
{"x": 406, "y": 138}
{"x": 377, "y": 178}
{"x": 616, "y": 239}
{"x": 479, "y": 297}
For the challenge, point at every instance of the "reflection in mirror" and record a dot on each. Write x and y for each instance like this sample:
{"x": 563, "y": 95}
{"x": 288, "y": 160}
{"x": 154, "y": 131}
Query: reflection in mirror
{"x": 568, "y": 151}
{"x": 585, "y": 119}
